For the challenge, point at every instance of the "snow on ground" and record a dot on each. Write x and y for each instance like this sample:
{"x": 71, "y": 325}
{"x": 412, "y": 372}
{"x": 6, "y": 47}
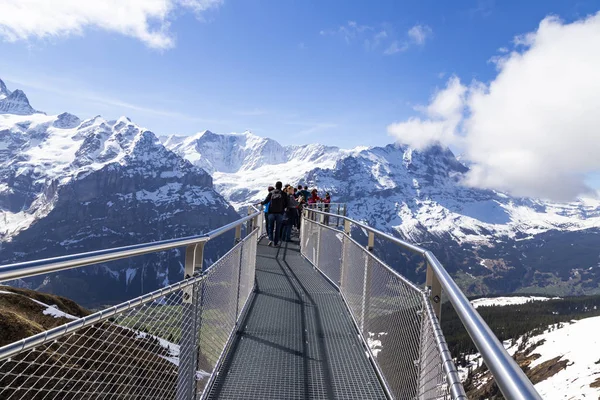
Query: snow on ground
{"x": 54, "y": 311}
{"x": 508, "y": 301}
{"x": 50, "y": 309}
{"x": 12, "y": 223}
{"x": 579, "y": 343}
{"x": 173, "y": 350}
{"x": 374, "y": 342}
{"x": 129, "y": 275}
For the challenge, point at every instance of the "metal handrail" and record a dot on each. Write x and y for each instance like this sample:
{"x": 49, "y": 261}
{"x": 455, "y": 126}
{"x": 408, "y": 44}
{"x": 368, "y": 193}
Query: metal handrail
{"x": 511, "y": 380}
{"x": 189, "y": 295}
{"x": 99, "y": 316}
{"x": 55, "y": 264}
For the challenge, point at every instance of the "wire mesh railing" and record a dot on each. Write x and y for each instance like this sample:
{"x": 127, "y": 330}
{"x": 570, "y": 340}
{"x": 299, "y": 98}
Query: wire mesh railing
{"x": 339, "y": 209}
{"x": 398, "y": 321}
{"x": 167, "y": 344}
{"x": 392, "y": 314}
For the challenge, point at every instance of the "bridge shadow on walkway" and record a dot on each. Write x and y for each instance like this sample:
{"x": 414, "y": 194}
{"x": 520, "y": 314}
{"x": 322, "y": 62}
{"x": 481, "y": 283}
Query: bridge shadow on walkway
{"x": 298, "y": 340}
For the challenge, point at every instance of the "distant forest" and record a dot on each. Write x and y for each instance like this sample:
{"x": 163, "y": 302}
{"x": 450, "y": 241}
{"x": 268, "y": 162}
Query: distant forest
{"x": 509, "y": 322}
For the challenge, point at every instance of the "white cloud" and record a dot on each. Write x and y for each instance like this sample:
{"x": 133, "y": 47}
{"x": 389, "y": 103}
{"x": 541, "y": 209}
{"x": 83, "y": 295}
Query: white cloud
{"x": 419, "y": 34}
{"x": 381, "y": 35}
{"x": 348, "y": 32}
{"x": 383, "y": 39}
{"x": 395, "y": 47}
{"x": 443, "y": 116}
{"x": 146, "y": 20}
{"x": 534, "y": 130}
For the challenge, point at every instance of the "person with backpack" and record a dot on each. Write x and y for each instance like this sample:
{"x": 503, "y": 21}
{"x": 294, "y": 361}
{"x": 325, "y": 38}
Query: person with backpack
{"x": 278, "y": 202}
{"x": 266, "y": 207}
{"x": 291, "y": 214}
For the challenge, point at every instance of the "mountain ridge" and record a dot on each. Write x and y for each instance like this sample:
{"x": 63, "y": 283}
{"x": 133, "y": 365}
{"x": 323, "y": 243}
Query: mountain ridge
{"x": 69, "y": 186}
{"x": 484, "y": 237}
{"x": 490, "y": 242}
{"x": 15, "y": 102}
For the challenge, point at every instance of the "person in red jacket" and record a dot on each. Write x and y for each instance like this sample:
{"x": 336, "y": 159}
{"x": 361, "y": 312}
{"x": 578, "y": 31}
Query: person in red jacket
{"x": 314, "y": 198}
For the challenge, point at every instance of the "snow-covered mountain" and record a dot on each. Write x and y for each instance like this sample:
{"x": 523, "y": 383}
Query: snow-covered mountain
{"x": 234, "y": 153}
{"x": 14, "y": 102}
{"x": 483, "y": 235}
{"x": 122, "y": 185}
{"x": 68, "y": 186}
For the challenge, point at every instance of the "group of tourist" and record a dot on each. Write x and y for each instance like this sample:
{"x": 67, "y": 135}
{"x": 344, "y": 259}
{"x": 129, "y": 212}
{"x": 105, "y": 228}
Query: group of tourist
{"x": 282, "y": 208}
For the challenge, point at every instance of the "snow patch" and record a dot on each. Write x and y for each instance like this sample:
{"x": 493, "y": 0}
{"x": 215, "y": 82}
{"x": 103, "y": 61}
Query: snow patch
{"x": 130, "y": 273}
{"x": 509, "y": 301}
{"x": 374, "y": 342}
{"x": 579, "y": 343}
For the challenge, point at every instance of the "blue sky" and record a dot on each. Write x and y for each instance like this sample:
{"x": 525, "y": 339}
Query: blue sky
{"x": 295, "y": 71}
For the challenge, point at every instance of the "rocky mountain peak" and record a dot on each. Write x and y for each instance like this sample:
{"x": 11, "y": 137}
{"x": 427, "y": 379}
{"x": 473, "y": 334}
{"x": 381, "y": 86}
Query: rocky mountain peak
{"x": 15, "y": 102}
{"x": 4, "y": 92}
{"x": 66, "y": 121}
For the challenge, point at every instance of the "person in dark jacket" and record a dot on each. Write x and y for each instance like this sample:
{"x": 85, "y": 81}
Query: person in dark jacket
{"x": 278, "y": 202}
{"x": 291, "y": 213}
{"x": 326, "y": 207}
{"x": 305, "y": 193}
{"x": 301, "y": 201}
{"x": 266, "y": 207}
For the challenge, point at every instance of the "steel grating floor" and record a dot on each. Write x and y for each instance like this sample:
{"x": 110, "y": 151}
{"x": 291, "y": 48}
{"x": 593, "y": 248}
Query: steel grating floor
{"x": 298, "y": 340}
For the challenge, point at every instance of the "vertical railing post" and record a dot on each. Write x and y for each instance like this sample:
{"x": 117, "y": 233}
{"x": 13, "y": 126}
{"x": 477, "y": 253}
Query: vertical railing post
{"x": 338, "y": 215}
{"x": 434, "y": 290}
{"x": 302, "y": 228}
{"x": 186, "y": 379}
{"x": 238, "y": 234}
{"x": 366, "y": 298}
{"x": 250, "y": 222}
{"x": 237, "y": 299}
{"x": 344, "y": 260}
{"x": 318, "y": 252}
{"x": 348, "y": 228}
{"x": 256, "y": 225}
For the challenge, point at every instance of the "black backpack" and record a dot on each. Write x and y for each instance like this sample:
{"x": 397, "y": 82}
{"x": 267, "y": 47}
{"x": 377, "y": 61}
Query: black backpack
{"x": 278, "y": 202}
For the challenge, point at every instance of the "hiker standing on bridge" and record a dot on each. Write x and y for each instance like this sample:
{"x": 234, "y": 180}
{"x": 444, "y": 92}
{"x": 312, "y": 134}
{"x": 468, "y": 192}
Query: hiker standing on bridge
{"x": 326, "y": 208}
{"x": 278, "y": 201}
{"x": 292, "y": 214}
{"x": 304, "y": 192}
{"x": 314, "y": 197}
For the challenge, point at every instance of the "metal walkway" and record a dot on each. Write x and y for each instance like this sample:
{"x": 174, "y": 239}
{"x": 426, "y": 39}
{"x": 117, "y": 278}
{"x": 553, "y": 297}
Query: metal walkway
{"x": 260, "y": 323}
{"x": 298, "y": 340}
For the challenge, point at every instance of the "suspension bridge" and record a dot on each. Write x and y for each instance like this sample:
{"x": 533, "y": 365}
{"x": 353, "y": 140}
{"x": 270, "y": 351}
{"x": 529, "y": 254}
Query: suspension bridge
{"x": 318, "y": 318}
